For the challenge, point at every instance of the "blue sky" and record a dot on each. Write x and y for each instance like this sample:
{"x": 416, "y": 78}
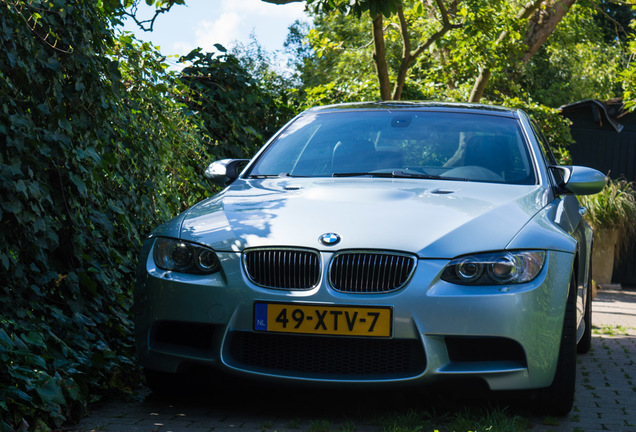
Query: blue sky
{"x": 202, "y": 23}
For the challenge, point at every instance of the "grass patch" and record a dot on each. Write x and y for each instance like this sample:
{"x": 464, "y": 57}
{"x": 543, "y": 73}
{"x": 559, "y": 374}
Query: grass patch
{"x": 496, "y": 419}
{"x": 349, "y": 426}
{"x": 293, "y": 424}
{"x": 464, "y": 420}
{"x": 267, "y": 425}
{"x": 608, "y": 330}
{"x": 411, "y": 421}
{"x": 320, "y": 426}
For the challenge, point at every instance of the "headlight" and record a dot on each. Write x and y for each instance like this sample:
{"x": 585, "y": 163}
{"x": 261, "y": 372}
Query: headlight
{"x": 184, "y": 257}
{"x": 496, "y": 268}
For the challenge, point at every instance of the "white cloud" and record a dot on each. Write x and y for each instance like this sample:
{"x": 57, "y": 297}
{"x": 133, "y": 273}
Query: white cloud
{"x": 224, "y": 30}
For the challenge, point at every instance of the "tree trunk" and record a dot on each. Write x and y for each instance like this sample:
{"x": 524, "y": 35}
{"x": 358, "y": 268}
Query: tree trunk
{"x": 379, "y": 58}
{"x": 542, "y": 24}
{"x": 480, "y": 85}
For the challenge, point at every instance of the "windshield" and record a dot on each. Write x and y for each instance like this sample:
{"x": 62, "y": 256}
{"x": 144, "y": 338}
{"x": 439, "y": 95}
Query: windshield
{"x": 457, "y": 146}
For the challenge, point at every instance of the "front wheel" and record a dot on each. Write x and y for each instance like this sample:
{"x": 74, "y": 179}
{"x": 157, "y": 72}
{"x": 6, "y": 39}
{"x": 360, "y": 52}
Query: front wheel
{"x": 558, "y": 399}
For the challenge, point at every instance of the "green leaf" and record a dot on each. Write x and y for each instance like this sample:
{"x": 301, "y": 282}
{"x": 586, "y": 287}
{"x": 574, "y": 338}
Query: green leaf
{"x": 51, "y": 392}
{"x": 114, "y": 207}
{"x": 34, "y": 338}
{"x": 14, "y": 393}
{"x": 12, "y": 206}
{"x": 73, "y": 389}
{"x": 19, "y": 345}
{"x": 44, "y": 108}
{"x": 53, "y": 64}
{"x": 5, "y": 340}
{"x": 79, "y": 184}
{"x": 41, "y": 426}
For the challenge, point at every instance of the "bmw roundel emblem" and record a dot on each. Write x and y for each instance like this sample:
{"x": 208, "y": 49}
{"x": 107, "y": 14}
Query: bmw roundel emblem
{"x": 329, "y": 239}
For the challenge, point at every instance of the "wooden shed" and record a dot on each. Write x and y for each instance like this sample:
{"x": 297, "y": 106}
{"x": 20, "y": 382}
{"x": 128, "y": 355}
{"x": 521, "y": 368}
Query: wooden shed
{"x": 605, "y": 139}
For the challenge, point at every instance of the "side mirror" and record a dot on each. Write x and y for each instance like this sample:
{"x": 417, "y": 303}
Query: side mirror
{"x": 225, "y": 171}
{"x": 581, "y": 180}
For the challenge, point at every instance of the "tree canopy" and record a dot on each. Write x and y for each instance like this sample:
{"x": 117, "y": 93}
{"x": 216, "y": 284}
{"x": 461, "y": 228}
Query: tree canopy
{"x": 470, "y": 49}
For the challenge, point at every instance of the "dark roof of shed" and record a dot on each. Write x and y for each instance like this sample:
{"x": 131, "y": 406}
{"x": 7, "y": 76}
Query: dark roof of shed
{"x": 609, "y": 111}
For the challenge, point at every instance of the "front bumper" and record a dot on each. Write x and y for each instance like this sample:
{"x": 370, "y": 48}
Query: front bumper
{"x": 507, "y": 336}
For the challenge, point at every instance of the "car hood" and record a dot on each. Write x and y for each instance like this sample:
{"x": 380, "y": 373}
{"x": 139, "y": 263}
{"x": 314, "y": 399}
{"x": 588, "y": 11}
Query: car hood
{"x": 432, "y": 218}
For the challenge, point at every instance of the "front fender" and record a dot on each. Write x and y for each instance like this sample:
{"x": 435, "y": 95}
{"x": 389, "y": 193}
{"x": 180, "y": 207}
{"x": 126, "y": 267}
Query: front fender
{"x": 551, "y": 228}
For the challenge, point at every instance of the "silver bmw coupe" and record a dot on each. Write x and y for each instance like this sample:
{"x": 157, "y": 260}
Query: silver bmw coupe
{"x": 379, "y": 243}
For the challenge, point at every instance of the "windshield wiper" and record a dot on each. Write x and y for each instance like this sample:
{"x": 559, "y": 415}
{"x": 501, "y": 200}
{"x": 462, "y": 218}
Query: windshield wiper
{"x": 399, "y": 174}
{"x": 402, "y": 174}
{"x": 265, "y": 176}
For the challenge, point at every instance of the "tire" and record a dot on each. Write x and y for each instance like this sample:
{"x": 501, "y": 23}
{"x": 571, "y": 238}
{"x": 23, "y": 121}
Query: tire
{"x": 558, "y": 399}
{"x": 585, "y": 343}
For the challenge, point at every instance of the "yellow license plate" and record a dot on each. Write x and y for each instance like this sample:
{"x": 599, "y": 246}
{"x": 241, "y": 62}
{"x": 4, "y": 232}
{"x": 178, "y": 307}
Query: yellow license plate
{"x": 323, "y": 319}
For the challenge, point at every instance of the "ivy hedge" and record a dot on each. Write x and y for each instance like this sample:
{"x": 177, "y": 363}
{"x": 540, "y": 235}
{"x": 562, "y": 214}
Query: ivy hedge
{"x": 238, "y": 112}
{"x": 94, "y": 152}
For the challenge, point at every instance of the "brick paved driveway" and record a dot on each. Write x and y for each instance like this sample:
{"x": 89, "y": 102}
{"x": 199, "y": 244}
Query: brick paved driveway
{"x": 605, "y": 396}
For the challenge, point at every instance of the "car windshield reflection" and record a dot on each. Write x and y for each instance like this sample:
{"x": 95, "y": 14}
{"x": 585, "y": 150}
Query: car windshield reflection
{"x": 426, "y": 145}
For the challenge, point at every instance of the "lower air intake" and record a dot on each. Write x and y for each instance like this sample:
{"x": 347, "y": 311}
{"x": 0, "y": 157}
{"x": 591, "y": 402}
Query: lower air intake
{"x": 328, "y": 357}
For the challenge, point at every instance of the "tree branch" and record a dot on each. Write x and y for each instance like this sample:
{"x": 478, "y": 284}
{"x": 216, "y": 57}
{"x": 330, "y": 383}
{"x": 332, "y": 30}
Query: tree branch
{"x": 617, "y": 25}
{"x": 408, "y": 57}
{"x": 447, "y": 26}
{"x": 406, "y": 40}
{"x": 142, "y": 23}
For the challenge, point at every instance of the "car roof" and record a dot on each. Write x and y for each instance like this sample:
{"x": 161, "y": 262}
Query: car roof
{"x": 419, "y": 106}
